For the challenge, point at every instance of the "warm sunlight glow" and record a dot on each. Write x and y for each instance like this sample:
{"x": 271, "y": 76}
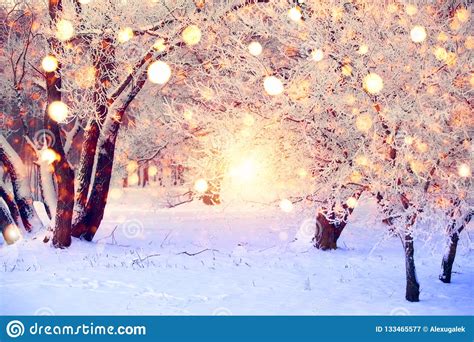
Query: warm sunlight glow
{"x": 48, "y": 156}
{"x": 317, "y": 55}
{"x": 159, "y": 72}
{"x": 133, "y": 179}
{"x": 11, "y": 234}
{"x": 64, "y": 30}
{"x": 58, "y": 111}
{"x": 273, "y": 86}
{"x": 464, "y": 170}
{"x": 294, "y": 14}
{"x": 351, "y": 202}
{"x": 191, "y": 35}
{"x": 364, "y": 122}
{"x": 201, "y": 185}
{"x": 49, "y": 63}
{"x": 152, "y": 171}
{"x": 125, "y": 35}
{"x": 159, "y": 45}
{"x": 245, "y": 171}
{"x": 373, "y": 83}
{"x": 286, "y": 205}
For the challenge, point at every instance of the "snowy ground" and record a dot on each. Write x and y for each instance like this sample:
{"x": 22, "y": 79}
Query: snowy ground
{"x": 246, "y": 263}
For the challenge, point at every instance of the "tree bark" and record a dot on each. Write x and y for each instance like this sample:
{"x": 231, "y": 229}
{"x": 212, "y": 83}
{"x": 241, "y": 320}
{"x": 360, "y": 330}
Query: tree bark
{"x": 326, "y": 236}
{"x": 20, "y": 183}
{"x": 62, "y": 170}
{"x": 450, "y": 254}
{"x": 412, "y": 286}
{"x": 88, "y": 225}
{"x": 105, "y": 69}
{"x": 328, "y": 230}
{"x": 10, "y": 202}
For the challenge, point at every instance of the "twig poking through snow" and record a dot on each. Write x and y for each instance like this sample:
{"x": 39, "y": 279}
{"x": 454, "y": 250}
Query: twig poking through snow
{"x": 193, "y": 254}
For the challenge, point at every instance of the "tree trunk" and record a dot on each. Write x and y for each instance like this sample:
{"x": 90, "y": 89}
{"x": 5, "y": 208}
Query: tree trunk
{"x": 450, "y": 254}
{"x": 105, "y": 70}
{"x": 329, "y": 230}
{"x": 62, "y": 170}
{"x": 10, "y": 202}
{"x": 88, "y": 224}
{"x": 326, "y": 236}
{"x": 20, "y": 183}
{"x": 412, "y": 287}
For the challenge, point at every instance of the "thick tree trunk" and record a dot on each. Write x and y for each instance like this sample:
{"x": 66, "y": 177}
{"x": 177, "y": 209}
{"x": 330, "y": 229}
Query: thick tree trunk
{"x": 62, "y": 170}
{"x": 450, "y": 254}
{"x": 329, "y": 228}
{"x": 20, "y": 184}
{"x": 9, "y": 229}
{"x": 326, "y": 233}
{"x": 412, "y": 287}
{"x": 9, "y": 199}
{"x": 105, "y": 67}
{"x": 448, "y": 258}
{"x": 89, "y": 223}
{"x": 87, "y": 227}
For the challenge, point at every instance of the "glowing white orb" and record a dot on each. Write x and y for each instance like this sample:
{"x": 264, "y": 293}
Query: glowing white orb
{"x": 192, "y": 35}
{"x": 48, "y": 156}
{"x": 408, "y": 140}
{"x": 364, "y": 122}
{"x": 58, "y": 111}
{"x": 49, "y": 63}
{"x": 418, "y": 34}
{"x": 152, "y": 171}
{"x": 294, "y": 14}
{"x": 64, "y": 30}
{"x": 201, "y": 185}
{"x": 317, "y": 55}
{"x": 159, "y": 72}
{"x": 464, "y": 170}
{"x": 11, "y": 234}
{"x": 373, "y": 83}
{"x": 273, "y": 86}
{"x": 352, "y": 202}
{"x": 286, "y": 205}
{"x": 255, "y": 48}
{"x": 125, "y": 35}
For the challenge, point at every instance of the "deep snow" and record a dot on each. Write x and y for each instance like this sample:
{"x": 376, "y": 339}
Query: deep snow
{"x": 247, "y": 262}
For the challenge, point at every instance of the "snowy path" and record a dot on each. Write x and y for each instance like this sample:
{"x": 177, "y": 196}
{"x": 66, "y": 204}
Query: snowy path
{"x": 250, "y": 265}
